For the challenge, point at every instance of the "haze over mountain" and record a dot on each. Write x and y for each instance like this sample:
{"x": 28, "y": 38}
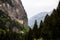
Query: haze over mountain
{"x": 37, "y": 17}
{"x": 33, "y": 7}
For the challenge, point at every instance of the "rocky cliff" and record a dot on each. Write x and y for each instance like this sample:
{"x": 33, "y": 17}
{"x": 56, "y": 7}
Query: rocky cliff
{"x": 15, "y": 10}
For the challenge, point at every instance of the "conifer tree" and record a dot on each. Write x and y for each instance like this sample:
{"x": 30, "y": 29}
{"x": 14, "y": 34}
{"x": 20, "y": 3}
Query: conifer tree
{"x": 40, "y": 28}
{"x": 35, "y": 30}
{"x": 30, "y": 35}
{"x": 51, "y": 25}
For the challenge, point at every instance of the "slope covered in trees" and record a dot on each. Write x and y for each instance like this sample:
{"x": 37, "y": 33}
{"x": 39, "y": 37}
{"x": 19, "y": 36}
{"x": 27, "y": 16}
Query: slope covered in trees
{"x": 49, "y": 29}
{"x": 52, "y": 25}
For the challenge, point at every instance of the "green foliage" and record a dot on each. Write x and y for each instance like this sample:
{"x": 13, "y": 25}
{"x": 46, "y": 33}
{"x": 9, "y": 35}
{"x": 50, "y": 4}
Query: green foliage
{"x": 26, "y": 29}
{"x": 51, "y": 25}
{"x": 48, "y": 30}
{"x": 4, "y": 35}
{"x": 35, "y": 30}
{"x": 4, "y": 18}
{"x": 35, "y": 26}
{"x": 6, "y": 26}
{"x": 40, "y": 29}
{"x": 30, "y": 35}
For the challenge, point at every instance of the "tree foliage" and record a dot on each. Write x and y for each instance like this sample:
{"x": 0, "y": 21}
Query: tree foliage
{"x": 51, "y": 25}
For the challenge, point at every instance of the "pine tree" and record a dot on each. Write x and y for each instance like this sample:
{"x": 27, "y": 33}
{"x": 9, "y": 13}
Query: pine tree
{"x": 35, "y": 30}
{"x": 40, "y": 29}
{"x": 30, "y": 35}
{"x": 51, "y": 25}
{"x": 58, "y": 8}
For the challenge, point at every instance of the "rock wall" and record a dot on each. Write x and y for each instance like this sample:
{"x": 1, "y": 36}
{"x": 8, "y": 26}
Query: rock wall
{"x": 15, "y": 10}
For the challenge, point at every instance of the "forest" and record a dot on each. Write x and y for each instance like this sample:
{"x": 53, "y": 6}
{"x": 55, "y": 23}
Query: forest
{"x": 49, "y": 29}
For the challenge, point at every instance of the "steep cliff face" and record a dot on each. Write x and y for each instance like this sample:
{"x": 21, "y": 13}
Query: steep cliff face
{"x": 15, "y": 10}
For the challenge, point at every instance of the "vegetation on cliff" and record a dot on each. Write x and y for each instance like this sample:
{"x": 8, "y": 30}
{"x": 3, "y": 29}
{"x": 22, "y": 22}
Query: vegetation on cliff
{"x": 49, "y": 29}
{"x": 7, "y": 31}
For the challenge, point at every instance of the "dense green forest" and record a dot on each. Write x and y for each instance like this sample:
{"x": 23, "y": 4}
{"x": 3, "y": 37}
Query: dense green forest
{"x": 49, "y": 29}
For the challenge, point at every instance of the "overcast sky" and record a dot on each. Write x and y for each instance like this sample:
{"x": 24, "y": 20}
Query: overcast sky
{"x": 33, "y": 7}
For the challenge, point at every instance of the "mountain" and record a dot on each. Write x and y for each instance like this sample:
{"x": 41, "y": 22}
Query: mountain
{"x": 37, "y": 17}
{"x": 15, "y": 10}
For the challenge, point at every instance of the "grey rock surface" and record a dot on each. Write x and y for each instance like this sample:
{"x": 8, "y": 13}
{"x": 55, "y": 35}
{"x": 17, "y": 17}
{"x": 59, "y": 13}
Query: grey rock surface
{"x": 15, "y": 10}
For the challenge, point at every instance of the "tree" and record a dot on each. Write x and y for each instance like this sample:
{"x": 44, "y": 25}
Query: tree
{"x": 35, "y": 30}
{"x": 51, "y": 25}
{"x": 5, "y": 33}
{"x": 30, "y": 35}
{"x": 40, "y": 29}
{"x": 58, "y": 8}
{"x": 4, "y": 18}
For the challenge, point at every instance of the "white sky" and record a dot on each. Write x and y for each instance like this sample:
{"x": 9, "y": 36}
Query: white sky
{"x": 33, "y": 7}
